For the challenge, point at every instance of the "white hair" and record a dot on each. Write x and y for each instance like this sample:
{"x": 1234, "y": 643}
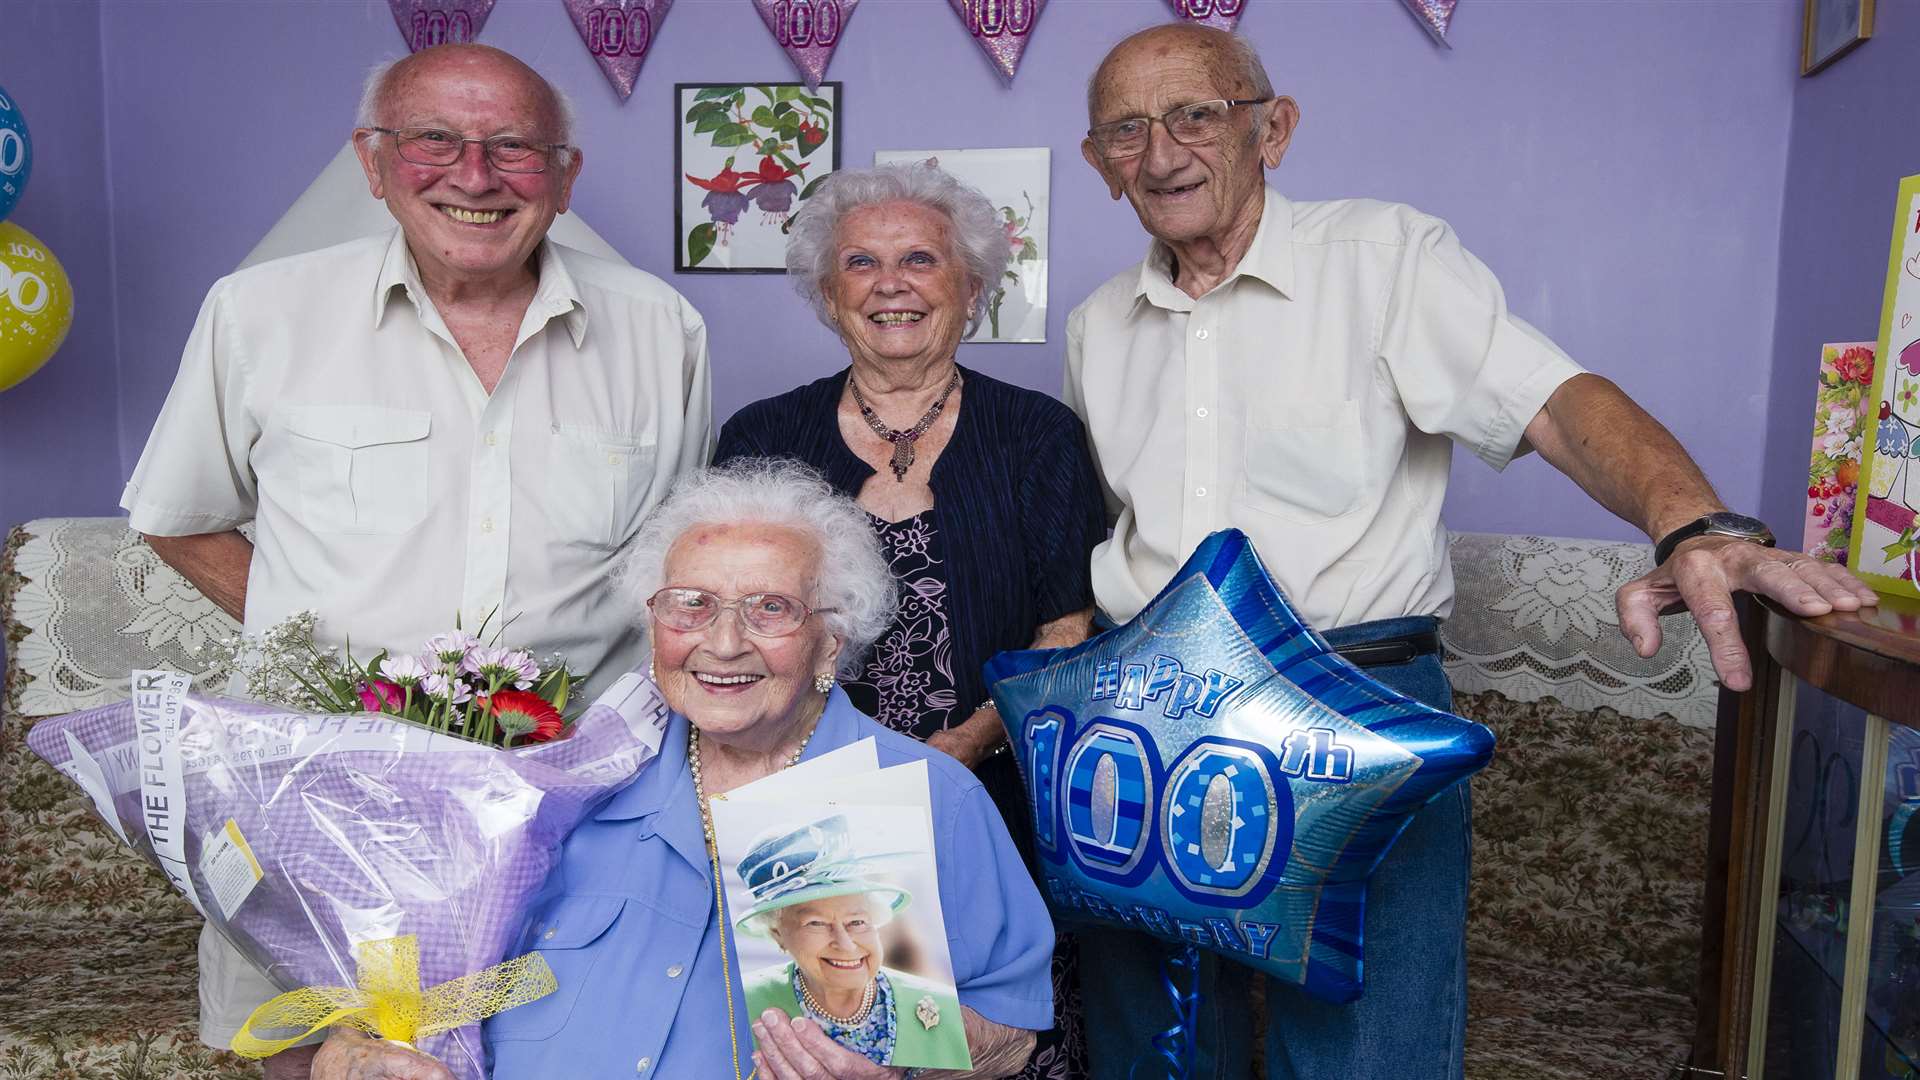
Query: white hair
{"x": 853, "y": 576}
{"x": 374, "y": 91}
{"x": 980, "y": 237}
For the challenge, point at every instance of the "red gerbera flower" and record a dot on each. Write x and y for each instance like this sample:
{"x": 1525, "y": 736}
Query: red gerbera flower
{"x": 519, "y": 710}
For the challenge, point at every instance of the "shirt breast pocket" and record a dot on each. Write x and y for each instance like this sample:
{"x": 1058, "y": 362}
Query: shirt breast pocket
{"x": 562, "y": 935}
{"x": 597, "y": 483}
{"x": 1303, "y": 460}
{"x": 362, "y": 469}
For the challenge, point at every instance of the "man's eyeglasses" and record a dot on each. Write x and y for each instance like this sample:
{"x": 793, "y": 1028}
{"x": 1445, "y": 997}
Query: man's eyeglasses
{"x": 508, "y": 153}
{"x": 764, "y": 614}
{"x": 1190, "y": 125}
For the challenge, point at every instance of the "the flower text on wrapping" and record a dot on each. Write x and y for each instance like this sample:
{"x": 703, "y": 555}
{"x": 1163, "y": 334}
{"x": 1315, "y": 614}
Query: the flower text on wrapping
{"x": 156, "y": 706}
{"x": 1132, "y": 686}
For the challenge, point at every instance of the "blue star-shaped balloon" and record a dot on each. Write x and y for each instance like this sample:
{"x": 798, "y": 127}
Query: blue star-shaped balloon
{"x": 1213, "y": 773}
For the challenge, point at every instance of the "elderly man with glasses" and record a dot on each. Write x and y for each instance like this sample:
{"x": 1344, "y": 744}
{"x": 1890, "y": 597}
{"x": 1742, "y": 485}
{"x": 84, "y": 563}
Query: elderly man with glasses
{"x": 1300, "y": 371}
{"x": 454, "y": 419}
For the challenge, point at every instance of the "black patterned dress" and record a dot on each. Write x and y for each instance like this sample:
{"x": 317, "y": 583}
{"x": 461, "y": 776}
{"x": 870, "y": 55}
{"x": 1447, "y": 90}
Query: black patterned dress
{"x": 907, "y": 684}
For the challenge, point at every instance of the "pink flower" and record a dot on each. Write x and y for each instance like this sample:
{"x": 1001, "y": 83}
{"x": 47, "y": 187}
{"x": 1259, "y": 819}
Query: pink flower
{"x": 1013, "y": 236}
{"x": 380, "y": 695}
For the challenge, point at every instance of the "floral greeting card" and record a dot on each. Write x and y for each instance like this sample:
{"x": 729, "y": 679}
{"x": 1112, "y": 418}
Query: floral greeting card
{"x": 1885, "y": 545}
{"x": 1839, "y": 421}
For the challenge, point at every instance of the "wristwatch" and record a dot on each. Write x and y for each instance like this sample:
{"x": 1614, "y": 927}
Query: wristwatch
{"x": 1738, "y": 526}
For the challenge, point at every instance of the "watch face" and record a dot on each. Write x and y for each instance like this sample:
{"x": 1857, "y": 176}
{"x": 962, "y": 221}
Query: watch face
{"x": 1737, "y": 525}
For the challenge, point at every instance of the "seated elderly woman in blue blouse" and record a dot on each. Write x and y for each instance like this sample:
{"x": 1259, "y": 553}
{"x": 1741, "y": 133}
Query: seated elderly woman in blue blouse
{"x": 760, "y": 584}
{"x": 982, "y": 493}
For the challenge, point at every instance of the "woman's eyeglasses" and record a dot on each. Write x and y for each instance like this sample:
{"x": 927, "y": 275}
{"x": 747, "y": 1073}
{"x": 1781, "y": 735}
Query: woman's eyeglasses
{"x": 765, "y": 614}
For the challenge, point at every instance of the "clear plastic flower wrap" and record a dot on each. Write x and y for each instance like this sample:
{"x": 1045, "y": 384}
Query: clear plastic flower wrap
{"x": 302, "y": 837}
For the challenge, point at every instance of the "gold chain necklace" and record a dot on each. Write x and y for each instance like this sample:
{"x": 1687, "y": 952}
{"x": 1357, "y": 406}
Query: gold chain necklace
{"x": 719, "y": 897}
{"x": 904, "y": 438}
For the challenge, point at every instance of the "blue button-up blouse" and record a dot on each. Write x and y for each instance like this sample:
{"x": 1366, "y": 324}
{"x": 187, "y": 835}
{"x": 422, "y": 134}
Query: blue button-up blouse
{"x": 627, "y": 923}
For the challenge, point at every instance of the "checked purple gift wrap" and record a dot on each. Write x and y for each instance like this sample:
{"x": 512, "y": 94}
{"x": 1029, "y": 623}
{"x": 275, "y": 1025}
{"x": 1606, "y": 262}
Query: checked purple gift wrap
{"x": 301, "y": 836}
{"x": 1213, "y": 774}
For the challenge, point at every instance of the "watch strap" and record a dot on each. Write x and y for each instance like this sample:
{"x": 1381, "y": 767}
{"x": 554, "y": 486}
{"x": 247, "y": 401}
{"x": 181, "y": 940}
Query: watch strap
{"x": 1702, "y": 526}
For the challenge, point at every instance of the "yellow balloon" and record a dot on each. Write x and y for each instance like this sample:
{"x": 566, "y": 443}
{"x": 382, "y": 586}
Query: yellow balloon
{"x": 36, "y": 304}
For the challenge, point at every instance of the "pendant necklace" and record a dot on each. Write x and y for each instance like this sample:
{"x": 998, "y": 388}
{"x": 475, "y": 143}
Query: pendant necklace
{"x": 713, "y": 854}
{"x": 902, "y": 440}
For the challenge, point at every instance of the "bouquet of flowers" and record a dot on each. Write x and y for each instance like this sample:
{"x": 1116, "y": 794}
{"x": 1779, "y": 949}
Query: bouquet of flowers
{"x": 376, "y": 865}
{"x": 456, "y": 684}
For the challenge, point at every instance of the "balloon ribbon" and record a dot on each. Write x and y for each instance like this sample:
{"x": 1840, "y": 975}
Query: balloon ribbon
{"x": 1178, "y": 1044}
{"x": 389, "y": 1001}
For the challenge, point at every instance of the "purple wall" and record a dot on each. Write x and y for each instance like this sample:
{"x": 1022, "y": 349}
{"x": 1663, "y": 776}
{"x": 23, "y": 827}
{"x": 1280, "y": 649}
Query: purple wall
{"x": 1620, "y": 165}
{"x": 1852, "y": 142}
{"x": 59, "y": 430}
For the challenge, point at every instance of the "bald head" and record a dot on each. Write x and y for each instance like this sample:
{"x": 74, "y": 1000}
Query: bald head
{"x": 389, "y": 84}
{"x": 1238, "y": 70}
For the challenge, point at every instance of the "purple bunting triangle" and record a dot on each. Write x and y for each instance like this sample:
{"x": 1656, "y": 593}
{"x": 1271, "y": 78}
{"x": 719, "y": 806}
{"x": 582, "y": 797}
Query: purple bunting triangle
{"x": 424, "y": 23}
{"x": 1001, "y": 27}
{"x": 1436, "y": 17}
{"x": 1224, "y": 14}
{"x": 619, "y": 34}
{"x": 809, "y": 30}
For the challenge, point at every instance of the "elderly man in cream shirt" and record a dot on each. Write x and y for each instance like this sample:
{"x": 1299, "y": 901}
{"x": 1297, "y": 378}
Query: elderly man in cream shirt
{"x": 1301, "y": 371}
{"x": 454, "y": 419}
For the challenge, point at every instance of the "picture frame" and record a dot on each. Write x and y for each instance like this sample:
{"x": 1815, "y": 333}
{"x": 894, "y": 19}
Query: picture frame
{"x": 745, "y": 156}
{"x": 1016, "y": 180}
{"x": 1884, "y": 548}
{"x": 1830, "y": 28}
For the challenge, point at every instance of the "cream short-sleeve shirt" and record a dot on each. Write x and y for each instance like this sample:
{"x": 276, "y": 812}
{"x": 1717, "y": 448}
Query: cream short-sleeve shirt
{"x": 1311, "y": 400}
{"x": 322, "y": 397}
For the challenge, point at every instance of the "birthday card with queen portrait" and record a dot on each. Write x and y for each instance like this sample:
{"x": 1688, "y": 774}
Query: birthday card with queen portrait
{"x": 833, "y": 906}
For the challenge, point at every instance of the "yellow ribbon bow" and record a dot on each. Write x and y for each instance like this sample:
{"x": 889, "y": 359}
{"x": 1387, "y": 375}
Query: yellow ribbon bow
{"x": 390, "y": 1003}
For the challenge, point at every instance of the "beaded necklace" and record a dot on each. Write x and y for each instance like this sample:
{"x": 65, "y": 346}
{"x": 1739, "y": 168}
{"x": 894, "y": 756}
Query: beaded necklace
{"x": 719, "y": 897}
{"x": 904, "y": 438}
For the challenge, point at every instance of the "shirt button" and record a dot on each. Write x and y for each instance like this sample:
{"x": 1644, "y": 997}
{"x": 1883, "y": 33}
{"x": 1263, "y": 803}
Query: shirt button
{"x": 1200, "y": 491}
{"x": 613, "y": 459}
{"x": 486, "y": 524}
{"x": 1201, "y": 334}
{"x": 548, "y": 936}
{"x": 643, "y": 1065}
{"x": 1201, "y": 412}
{"x": 673, "y": 971}
{"x": 492, "y": 439}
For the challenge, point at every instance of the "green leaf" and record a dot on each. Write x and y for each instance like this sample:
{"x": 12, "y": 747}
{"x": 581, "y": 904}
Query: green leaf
{"x": 808, "y": 190}
{"x": 733, "y": 135}
{"x": 787, "y": 93}
{"x": 714, "y": 92}
{"x": 559, "y": 698}
{"x": 702, "y": 108}
{"x": 764, "y": 117}
{"x": 818, "y": 103}
{"x": 699, "y": 243}
{"x": 1029, "y": 251}
{"x": 782, "y": 108}
{"x": 712, "y": 121}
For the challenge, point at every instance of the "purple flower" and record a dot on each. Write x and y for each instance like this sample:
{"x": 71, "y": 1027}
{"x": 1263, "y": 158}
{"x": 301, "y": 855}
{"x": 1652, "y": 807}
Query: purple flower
{"x": 725, "y": 206}
{"x": 774, "y": 198}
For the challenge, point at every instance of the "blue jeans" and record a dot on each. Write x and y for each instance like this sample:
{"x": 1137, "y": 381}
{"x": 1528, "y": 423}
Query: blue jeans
{"x": 1410, "y": 1021}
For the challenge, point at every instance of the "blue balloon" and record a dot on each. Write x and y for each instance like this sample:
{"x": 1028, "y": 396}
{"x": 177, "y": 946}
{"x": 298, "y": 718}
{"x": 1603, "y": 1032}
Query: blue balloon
{"x": 16, "y": 154}
{"x": 1213, "y": 773}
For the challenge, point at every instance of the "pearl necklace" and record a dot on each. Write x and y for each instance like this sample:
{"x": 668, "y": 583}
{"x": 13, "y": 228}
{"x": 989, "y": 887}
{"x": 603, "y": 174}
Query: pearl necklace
{"x": 859, "y": 1015}
{"x": 719, "y": 897}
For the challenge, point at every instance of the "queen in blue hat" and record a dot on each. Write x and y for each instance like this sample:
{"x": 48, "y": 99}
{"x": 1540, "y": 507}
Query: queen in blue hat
{"x": 825, "y": 905}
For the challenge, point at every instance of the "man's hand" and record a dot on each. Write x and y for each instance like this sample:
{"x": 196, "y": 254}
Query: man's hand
{"x": 1703, "y": 574}
{"x": 349, "y": 1055}
{"x": 796, "y": 1049}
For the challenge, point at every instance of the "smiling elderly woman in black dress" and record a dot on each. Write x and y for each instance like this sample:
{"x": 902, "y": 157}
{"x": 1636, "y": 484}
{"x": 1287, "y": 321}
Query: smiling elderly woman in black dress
{"x": 982, "y": 493}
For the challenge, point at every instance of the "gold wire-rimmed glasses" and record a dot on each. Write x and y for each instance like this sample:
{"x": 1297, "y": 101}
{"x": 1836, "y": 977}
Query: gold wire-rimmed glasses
{"x": 437, "y": 146}
{"x": 1190, "y": 125}
{"x": 764, "y": 614}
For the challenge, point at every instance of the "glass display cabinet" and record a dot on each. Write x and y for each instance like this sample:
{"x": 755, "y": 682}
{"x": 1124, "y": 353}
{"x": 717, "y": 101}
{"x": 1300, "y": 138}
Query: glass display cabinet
{"x": 1810, "y": 966}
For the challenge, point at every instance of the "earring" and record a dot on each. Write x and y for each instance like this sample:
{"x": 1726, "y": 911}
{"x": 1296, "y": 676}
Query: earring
{"x": 650, "y": 677}
{"x": 823, "y": 682}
